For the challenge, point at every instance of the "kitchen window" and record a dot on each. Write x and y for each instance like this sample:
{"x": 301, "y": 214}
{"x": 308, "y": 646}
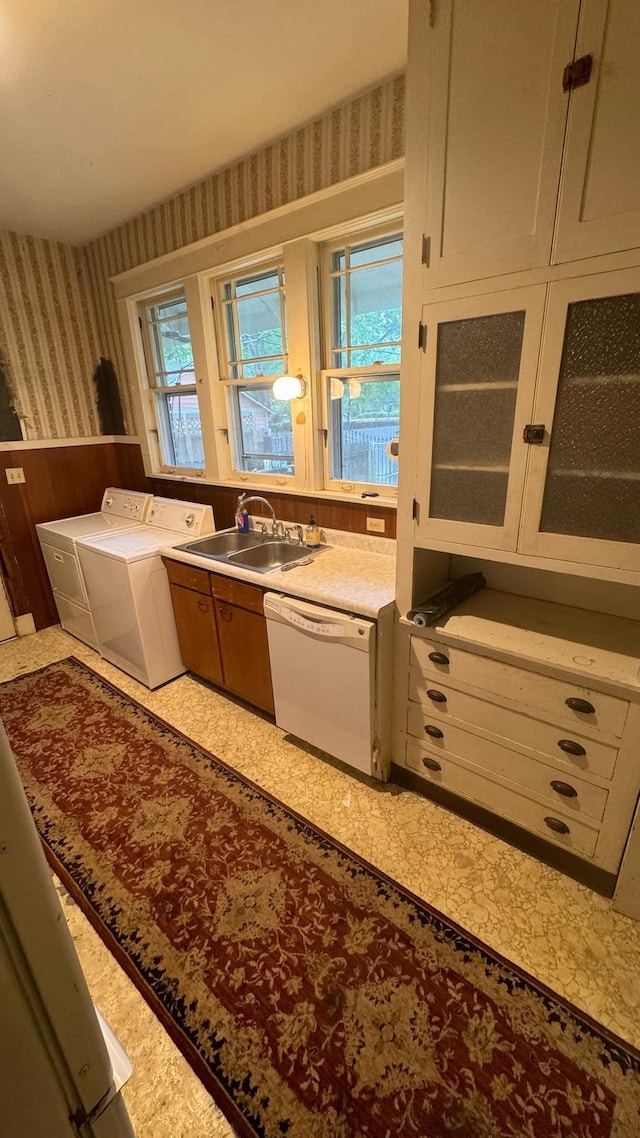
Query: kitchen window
{"x": 363, "y": 317}
{"x": 172, "y": 381}
{"x": 253, "y": 335}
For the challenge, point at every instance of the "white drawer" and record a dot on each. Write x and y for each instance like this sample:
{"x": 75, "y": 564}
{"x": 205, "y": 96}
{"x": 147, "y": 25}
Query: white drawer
{"x": 506, "y": 801}
{"x": 575, "y": 795}
{"x": 518, "y": 685}
{"x": 540, "y": 737}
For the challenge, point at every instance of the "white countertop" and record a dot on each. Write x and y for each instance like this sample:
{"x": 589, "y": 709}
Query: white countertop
{"x": 342, "y": 577}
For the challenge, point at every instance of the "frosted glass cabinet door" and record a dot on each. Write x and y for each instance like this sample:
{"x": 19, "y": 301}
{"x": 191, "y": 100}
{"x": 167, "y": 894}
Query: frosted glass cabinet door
{"x": 495, "y": 118}
{"x": 583, "y": 492}
{"x": 599, "y": 207}
{"x": 476, "y": 396}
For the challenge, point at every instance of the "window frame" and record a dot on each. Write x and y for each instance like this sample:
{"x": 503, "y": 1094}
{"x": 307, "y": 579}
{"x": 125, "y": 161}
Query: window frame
{"x": 358, "y": 234}
{"x": 296, "y": 232}
{"x": 157, "y": 394}
{"x": 230, "y": 384}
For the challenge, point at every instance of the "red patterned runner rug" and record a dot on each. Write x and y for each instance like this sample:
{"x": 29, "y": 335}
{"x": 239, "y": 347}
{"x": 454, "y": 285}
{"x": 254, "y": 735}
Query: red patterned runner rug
{"x": 314, "y": 997}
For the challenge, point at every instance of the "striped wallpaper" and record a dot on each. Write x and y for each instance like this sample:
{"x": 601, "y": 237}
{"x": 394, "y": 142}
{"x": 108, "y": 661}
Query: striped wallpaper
{"x": 365, "y": 132}
{"x": 57, "y": 312}
{"x": 48, "y": 337}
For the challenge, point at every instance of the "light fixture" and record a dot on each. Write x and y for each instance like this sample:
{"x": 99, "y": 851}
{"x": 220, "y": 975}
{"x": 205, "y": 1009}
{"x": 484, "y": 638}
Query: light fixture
{"x": 287, "y": 387}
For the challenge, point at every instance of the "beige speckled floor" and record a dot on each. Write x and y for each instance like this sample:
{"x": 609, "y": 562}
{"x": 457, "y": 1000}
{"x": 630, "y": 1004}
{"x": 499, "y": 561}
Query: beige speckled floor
{"x": 556, "y": 929}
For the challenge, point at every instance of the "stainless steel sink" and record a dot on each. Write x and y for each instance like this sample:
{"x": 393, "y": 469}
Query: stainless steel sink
{"x": 268, "y": 555}
{"x": 220, "y": 545}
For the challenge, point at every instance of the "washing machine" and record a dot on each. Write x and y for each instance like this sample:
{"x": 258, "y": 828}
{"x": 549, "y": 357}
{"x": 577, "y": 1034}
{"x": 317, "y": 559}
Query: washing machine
{"x": 120, "y": 510}
{"x": 129, "y": 593}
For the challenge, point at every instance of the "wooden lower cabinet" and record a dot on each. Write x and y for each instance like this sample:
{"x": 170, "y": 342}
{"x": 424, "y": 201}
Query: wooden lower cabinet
{"x": 197, "y": 633}
{"x": 245, "y": 654}
{"x": 222, "y": 631}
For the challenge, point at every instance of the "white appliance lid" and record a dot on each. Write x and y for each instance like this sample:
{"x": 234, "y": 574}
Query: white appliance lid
{"x": 87, "y": 524}
{"x": 132, "y": 544}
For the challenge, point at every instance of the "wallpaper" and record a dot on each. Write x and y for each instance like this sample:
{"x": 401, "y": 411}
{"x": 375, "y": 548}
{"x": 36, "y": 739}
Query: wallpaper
{"x": 57, "y": 312}
{"x": 356, "y": 136}
{"x": 47, "y": 337}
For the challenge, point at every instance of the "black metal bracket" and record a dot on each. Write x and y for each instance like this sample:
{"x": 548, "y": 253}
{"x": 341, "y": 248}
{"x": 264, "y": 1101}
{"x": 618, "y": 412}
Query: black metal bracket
{"x": 577, "y": 73}
{"x": 534, "y": 433}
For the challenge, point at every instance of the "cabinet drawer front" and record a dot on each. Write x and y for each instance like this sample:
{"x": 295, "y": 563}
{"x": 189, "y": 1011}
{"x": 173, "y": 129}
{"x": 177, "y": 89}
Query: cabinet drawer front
{"x": 577, "y": 753}
{"x": 521, "y": 686}
{"x": 503, "y": 801}
{"x": 188, "y": 576}
{"x": 562, "y": 788}
{"x": 238, "y": 593}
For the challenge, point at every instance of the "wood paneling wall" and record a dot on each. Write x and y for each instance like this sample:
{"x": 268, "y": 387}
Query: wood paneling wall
{"x": 288, "y": 507}
{"x": 59, "y": 482}
{"x": 67, "y": 480}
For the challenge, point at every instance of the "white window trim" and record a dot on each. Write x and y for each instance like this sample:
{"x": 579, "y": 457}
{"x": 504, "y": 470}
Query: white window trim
{"x": 306, "y": 225}
{"x": 351, "y": 236}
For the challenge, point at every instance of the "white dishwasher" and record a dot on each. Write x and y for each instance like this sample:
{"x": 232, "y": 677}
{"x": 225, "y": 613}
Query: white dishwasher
{"x": 323, "y": 667}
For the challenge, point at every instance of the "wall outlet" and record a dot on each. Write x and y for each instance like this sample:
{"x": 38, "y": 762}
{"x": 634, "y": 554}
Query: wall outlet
{"x": 15, "y": 474}
{"x": 376, "y": 525}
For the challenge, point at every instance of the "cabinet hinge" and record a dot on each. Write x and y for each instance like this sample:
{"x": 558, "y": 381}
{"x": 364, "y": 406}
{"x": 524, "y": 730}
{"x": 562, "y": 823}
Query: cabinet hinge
{"x": 415, "y": 511}
{"x": 534, "y": 433}
{"x": 422, "y": 336}
{"x": 577, "y": 73}
{"x": 426, "y": 250}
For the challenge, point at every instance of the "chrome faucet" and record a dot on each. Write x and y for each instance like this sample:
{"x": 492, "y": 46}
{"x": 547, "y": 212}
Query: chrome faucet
{"x": 242, "y": 504}
{"x": 300, "y": 535}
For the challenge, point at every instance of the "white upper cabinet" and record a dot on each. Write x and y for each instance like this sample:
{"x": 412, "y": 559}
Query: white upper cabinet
{"x": 599, "y": 209}
{"x": 493, "y": 131}
{"x": 582, "y": 499}
{"x": 477, "y": 390}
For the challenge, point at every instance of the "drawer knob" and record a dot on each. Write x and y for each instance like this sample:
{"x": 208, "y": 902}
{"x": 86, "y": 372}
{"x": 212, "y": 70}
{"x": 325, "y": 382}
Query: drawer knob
{"x": 558, "y": 826}
{"x": 582, "y": 705}
{"x": 564, "y": 788}
{"x": 203, "y": 606}
{"x": 571, "y": 747}
{"x": 433, "y": 731}
{"x": 436, "y": 696}
{"x": 438, "y": 658}
{"x": 431, "y": 764}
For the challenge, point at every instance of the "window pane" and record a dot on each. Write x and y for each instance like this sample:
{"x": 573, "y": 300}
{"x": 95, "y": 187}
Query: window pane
{"x": 376, "y": 304}
{"x": 376, "y": 251}
{"x": 170, "y": 339}
{"x": 365, "y": 357}
{"x": 255, "y": 326}
{"x": 180, "y": 430}
{"x": 176, "y": 378}
{"x": 265, "y": 435}
{"x": 257, "y": 284}
{"x": 260, "y": 326}
{"x": 364, "y": 419}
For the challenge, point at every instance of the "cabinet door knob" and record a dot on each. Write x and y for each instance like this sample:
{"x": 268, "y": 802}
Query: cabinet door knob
{"x": 203, "y": 606}
{"x": 558, "y": 826}
{"x": 438, "y": 658}
{"x": 564, "y": 788}
{"x": 436, "y": 696}
{"x": 226, "y": 614}
{"x": 431, "y": 764}
{"x": 571, "y": 747}
{"x": 433, "y": 731}
{"x": 582, "y": 705}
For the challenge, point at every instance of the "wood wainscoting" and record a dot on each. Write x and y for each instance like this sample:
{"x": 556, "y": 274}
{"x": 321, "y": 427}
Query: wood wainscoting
{"x": 61, "y": 481}
{"x": 288, "y": 507}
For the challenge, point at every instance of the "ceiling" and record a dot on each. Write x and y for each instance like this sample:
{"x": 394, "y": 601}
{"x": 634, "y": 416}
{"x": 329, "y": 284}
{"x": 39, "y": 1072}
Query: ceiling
{"x": 109, "y": 106}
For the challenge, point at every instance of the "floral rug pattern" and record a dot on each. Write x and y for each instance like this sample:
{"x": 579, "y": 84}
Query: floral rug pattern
{"x": 316, "y": 998}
